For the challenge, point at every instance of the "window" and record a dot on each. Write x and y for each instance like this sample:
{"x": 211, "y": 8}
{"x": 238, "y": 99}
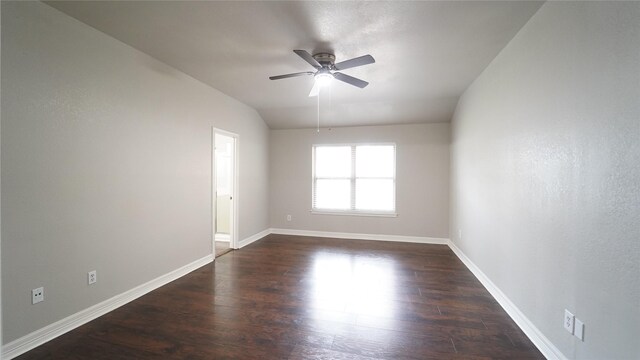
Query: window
{"x": 354, "y": 179}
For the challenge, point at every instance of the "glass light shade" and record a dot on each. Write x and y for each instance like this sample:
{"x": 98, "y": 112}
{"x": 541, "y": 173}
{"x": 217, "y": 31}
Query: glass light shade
{"x": 324, "y": 79}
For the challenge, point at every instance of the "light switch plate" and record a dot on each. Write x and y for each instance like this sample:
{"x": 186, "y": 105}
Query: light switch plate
{"x": 579, "y": 329}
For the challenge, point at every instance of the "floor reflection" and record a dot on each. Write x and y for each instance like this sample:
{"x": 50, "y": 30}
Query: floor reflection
{"x": 353, "y": 284}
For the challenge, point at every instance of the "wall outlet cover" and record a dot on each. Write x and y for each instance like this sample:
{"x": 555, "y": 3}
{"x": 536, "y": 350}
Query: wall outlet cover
{"x": 37, "y": 295}
{"x": 568, "y": 321}
{"x": 92, "y": 277}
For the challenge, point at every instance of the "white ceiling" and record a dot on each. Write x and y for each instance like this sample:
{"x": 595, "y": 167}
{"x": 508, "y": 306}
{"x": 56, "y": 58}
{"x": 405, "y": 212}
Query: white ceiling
{"x": 427, "y": 53}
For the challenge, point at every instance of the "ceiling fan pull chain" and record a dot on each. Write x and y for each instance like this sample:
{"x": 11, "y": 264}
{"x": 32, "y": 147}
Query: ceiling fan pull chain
{"x": 318, "y": 112}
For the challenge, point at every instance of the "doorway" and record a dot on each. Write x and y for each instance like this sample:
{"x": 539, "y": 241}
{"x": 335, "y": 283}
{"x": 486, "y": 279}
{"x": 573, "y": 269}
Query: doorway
{"x": 225, "y": 190}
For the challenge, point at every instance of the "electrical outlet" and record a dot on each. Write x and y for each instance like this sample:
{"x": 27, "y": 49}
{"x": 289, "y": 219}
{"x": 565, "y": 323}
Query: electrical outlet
{"x": 288, "y": 217}
{"x": 459, "y": 234}
{"x": 579, "y": 329}
{"x": 37, "y": 295}
{"x": 92, "y": 277}
{"x": 568, "y": 321}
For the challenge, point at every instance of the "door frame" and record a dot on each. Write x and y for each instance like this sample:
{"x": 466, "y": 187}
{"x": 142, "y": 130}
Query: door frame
{"x": 233, "y": 229}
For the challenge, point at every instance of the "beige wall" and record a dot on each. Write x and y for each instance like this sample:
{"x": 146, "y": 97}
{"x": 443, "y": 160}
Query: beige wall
{"x": 0, "y": 203}
{"x": 545, "y": 174}
{"x": 106, "y": 165}
{"x": 422, "y": 175}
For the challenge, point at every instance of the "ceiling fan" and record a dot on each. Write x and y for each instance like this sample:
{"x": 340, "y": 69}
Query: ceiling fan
{"x": 326, "y": 68}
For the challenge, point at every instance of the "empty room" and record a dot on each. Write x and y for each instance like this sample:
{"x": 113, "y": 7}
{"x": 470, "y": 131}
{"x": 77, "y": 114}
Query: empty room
{"x": 320, "y": 180}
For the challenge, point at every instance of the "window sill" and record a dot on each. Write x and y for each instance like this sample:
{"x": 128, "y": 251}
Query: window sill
{"x": 353, "y": 213}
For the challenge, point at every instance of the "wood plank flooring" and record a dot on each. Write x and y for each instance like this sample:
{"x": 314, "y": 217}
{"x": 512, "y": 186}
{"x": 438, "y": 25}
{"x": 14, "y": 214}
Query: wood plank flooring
{"x": 289, "y": 297}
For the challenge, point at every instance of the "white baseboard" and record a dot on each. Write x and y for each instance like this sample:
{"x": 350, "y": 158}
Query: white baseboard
{"x": 222, "y": 237}
{"x": 377, "y": 237}
{"x": 253, "y": 238}
{"x": 543, "y": 344}
{"x": 50, "y": 332}
{"x": 342, "y": 235}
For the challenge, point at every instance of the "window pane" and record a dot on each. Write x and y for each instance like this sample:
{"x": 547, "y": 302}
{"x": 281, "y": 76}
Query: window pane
{"x": 333, "y": 161}
{"x": 375, "y": 161}
{"x": 333, "y": 194}
{"x": 374, "y": 194}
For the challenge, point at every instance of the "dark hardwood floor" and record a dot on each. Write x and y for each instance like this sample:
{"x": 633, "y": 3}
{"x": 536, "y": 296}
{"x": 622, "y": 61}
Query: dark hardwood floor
{"x": 289, "y": 297}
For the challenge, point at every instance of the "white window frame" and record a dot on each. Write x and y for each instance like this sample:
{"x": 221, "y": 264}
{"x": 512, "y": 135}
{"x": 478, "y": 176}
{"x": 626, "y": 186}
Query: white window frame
{"x": 352, "y": 211}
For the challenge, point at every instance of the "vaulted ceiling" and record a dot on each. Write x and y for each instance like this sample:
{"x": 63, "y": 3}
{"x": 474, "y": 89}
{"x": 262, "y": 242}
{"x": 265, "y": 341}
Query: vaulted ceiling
{"x": 427, "y": 53}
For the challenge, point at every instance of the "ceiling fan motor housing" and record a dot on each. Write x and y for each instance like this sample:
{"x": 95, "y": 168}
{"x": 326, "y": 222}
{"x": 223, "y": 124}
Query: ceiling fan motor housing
{"x": 325, "y": 59}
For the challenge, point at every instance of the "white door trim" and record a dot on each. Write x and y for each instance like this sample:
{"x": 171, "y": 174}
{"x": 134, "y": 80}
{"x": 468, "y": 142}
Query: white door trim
{"x": 233, "y": 236}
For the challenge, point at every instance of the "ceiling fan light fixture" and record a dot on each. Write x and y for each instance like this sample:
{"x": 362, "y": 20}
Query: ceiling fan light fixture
{"x": 323, "y": 78}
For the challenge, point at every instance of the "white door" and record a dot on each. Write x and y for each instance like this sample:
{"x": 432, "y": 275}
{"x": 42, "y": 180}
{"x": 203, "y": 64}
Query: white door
{"x": 225, "y": 190}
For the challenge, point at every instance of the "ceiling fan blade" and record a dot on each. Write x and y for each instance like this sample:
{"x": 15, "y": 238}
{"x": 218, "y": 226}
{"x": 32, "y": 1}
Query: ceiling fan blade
{"x": 350, "y": 80}
{"x": 308, "y": 58}
{"x": 315, "y": 90}
{"x": 291, "y": 75}
{"x": 359, "y": 61}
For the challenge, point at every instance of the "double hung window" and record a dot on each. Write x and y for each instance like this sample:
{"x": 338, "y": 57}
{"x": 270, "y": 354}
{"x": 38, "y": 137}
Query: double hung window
{"x": 354, "y": 179}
